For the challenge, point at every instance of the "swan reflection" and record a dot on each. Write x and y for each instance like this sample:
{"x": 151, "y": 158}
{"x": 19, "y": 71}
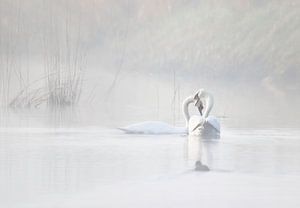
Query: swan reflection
{"x": 200, "y": 152}
{"x": 200, "y": 167}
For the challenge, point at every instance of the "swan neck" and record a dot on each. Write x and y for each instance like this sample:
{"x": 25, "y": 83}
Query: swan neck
{"x": 185, "y": 108}
{"x": 209, "y": 103}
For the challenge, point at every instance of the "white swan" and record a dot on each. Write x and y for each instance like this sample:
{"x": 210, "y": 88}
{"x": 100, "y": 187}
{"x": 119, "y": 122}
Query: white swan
{"x": 201, "y": 125}
{"x": 195, "y": 125}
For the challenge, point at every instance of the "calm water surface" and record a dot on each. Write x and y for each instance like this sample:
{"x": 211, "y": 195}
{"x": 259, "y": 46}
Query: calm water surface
{"x": 87, "y": 167}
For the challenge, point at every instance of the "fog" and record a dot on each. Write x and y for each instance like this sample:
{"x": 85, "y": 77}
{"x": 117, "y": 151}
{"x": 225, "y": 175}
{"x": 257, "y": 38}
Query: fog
{"x": 121, "y": 61}
{"x": 79, "y": 78}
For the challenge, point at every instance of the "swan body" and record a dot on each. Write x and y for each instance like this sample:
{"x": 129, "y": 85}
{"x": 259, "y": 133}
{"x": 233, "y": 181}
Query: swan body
{"x": 159, "y": 127}
{"x": 195, "y": 125}
{"x": 153, "y": 127}
{"x": 199, "y": 126}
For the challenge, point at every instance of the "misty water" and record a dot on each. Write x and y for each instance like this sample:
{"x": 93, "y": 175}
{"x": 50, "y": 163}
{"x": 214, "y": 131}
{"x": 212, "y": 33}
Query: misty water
{"x": 97, "y": 65}
{"x": 103, "y": 167}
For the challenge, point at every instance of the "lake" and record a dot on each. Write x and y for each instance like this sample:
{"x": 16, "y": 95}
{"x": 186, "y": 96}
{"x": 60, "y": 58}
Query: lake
{"x": 102, "y": 167}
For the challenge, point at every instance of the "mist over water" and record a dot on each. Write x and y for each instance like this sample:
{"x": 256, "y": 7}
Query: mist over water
{"x": 73, "y": 71}
{"x": 139, "y": 59}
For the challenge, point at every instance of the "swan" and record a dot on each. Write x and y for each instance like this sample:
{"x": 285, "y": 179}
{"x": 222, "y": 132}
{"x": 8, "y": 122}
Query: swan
{"x": 194, "y": 125}
{"x": 204, "y": 125}
{"x": 201, "y": 125}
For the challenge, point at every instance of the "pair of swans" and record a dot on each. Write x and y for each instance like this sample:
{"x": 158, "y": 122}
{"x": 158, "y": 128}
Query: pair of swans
{"x": 199, "y": 125}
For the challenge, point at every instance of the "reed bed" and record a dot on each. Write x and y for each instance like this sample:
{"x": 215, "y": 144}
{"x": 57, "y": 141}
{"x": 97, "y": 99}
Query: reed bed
{"x": 63, "y": 54}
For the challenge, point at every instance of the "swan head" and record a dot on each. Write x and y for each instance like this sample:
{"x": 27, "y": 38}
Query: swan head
{"x": 198, "y": 102}
{"x": 197, "y": 97}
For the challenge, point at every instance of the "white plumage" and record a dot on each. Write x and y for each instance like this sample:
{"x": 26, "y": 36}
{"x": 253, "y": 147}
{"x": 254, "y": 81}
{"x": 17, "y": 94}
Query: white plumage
{"x": 195, "y": 125}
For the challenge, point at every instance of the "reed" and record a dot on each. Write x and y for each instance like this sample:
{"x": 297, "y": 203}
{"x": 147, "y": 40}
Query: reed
{"x": 64, "y": 61}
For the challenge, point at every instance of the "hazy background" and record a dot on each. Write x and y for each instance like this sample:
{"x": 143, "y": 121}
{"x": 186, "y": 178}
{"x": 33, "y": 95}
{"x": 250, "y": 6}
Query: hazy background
{"x": 136, "y": 60}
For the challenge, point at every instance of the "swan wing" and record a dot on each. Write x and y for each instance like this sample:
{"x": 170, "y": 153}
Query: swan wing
{"x": 214, "y": 122}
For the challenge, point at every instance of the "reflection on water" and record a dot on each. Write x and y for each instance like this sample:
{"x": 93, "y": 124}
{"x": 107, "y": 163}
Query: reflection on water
{"x": 265, "y": 151}
{"x": 37, "y": 162}
{"x": 45, "y": 162}
{"x": 199, "y": 152}
{"x": 200, "y": 167}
